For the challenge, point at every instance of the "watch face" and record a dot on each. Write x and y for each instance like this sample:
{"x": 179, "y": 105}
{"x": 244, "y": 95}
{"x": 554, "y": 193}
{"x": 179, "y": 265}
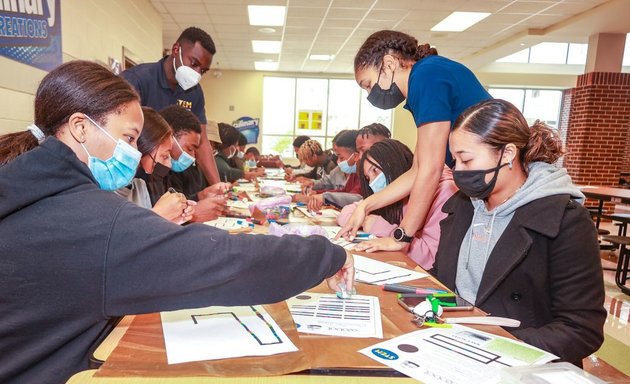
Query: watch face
{"x": 398, "y": 234}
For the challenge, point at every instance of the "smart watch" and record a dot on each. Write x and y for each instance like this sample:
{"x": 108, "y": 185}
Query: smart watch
{"x": 401, "y": 236}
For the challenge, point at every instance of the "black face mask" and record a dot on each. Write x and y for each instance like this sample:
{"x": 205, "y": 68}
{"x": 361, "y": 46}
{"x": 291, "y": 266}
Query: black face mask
{"x": 385, "y": 99}
{"x": 473, "y": 183}
{"x": 160, "y": 170}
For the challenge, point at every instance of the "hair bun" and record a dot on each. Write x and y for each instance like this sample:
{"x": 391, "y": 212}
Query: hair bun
{"x": 425, "y": 50}
{"x": 544, "y": 144}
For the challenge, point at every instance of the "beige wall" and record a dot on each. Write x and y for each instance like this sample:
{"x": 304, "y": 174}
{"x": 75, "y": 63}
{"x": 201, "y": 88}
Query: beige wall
{"x": 91, "y": 30}
{"x": 243, "y": 91}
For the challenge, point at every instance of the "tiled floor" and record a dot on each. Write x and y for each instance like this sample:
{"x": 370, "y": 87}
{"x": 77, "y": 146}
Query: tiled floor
{"x": 612, "y": 363}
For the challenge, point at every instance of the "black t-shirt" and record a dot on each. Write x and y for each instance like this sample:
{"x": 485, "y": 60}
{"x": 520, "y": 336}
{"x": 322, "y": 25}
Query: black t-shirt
{"x": 150, "y": 82}
{"x": 189, "y": 182}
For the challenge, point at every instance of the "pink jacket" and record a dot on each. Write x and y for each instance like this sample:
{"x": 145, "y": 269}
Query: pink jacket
{"x": 424, "y": 247}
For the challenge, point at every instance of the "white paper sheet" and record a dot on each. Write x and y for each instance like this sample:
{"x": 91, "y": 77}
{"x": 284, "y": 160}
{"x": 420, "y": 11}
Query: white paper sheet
{"x": 326, "y": 314}
{"x": 245, "y": 187}
{"x": 228, "y": 223}
{"x": 454, "y": 355}
{"x": 377, "y": 272}
{"x": 237, "y": 204}
{"x": 344, "y": 243}
{"x": 222, "y": 332}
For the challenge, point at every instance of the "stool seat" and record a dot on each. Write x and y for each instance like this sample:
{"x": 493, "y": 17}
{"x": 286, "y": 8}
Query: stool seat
{"x": 621, "y": 274}
{"x": 621, "y": 240}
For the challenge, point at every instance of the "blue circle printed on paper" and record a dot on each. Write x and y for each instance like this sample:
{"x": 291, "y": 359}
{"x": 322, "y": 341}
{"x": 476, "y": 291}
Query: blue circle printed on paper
{"x": 385, "y": 354}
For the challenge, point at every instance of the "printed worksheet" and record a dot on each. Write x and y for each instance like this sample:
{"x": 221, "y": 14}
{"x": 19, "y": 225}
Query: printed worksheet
{"x": 326, "y": 314}
{"x": 376, "y": 272}
{"x": 331, "y": 232}
{"x": 240, "y": 204}
{"x": 228, "y": 223}
{"x": 222, "y": 332}
{"x": 455, "y": 355}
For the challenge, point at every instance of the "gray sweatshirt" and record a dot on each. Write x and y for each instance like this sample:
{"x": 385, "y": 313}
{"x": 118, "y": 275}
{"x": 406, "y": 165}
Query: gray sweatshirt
{"x": 487, "y": 226}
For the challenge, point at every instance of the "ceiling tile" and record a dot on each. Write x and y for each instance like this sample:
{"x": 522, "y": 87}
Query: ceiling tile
{"x": 350, "y": 22}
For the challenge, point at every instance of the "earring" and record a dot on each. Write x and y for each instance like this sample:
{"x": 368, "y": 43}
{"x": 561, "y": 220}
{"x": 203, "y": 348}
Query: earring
{"x": 510, "y": 164}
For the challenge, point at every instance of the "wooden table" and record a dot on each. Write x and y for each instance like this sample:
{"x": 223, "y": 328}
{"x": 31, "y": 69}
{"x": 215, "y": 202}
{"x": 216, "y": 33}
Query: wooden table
{"x": 332, "y": 359}
{"x": 137, "y": 342}
{"x": 603, "y": 194}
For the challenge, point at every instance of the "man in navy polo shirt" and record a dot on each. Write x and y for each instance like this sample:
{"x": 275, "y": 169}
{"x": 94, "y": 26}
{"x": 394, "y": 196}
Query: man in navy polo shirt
{"x": 175, "y": 80}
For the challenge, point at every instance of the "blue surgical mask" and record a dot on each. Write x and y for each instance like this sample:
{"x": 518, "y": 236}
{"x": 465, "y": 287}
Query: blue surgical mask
{"x": 251, "y": 163}
{"x": 117, "y": 171}
{"x": 347, "y": 168}
{"x": 240, "y": 154}
{"x": 379, "y": 183}
{"x": 183, "y": 162}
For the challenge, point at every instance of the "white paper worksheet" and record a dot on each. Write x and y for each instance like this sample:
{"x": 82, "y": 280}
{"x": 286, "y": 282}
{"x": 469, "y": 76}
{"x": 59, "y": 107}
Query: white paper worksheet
{"x": 331, "y": 232}
{"x": 222, "y": 332}
{"x": 228, "y": 223}
{"x": 237, "y": 204}
{"x": 326, "y": 314}
{"x": 456, "y": 355}
{"x": 376, "y": 272}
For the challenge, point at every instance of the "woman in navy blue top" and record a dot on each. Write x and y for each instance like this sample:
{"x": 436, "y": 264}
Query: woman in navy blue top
{"x": 392, "y": 67}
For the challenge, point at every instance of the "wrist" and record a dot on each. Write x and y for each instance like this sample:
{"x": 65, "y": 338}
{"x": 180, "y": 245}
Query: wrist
{"x": 366, "y": 205}
{"x": 401, "y": 236}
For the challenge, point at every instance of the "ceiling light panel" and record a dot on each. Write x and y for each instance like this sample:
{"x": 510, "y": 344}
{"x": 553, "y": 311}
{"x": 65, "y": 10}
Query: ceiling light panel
{"x": 459, "y": 21}
{"x": 266, "y": 46}
{"x": 266, "y": 15}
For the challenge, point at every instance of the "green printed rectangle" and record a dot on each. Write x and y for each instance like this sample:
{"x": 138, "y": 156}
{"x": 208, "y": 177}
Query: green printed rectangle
{"x": 518, "y": 351}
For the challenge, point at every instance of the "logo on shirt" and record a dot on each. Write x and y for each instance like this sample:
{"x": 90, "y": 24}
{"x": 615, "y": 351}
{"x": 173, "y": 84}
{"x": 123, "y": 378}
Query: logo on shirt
{"x": 185, "y": 104}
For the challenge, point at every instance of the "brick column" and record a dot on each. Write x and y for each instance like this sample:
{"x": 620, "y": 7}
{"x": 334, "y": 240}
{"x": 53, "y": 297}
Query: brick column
{"x": 598, "y": 128}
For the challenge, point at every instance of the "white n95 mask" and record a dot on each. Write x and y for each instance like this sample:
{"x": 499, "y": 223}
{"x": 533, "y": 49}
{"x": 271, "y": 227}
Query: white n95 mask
{"x": 186, "y": 77}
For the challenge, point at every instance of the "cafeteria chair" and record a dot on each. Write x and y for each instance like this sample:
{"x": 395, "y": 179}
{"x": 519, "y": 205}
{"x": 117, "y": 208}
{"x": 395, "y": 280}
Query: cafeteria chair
{"x": 621, "y": 274}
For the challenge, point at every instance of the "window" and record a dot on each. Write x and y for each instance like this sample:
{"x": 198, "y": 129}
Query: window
{"x": 318, "y": 108}
{"x": 626, "y": 52}
{"x": 535, "y": 104}
{"x": 550, "y": 53}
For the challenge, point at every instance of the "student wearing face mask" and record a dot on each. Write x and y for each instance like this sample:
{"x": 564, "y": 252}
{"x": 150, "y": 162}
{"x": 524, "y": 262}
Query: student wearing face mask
{"x": 174, "y": 80}
{"x": 334, "y": 180}
{"x": 227, "y": 150}
{"x": 393, "y": 68}
{"x": 321, "y": 161}
{"x": 302, "y": 168}
{"x": 185, "y": 176}
{"x": 75, "y": 255}
{"x": 344, "y": 146}
{"x": 154, "y": 145}
{"x": 381, "y": 164}
{"x": 238, "y": 160}
{"x": 517, "y": 242}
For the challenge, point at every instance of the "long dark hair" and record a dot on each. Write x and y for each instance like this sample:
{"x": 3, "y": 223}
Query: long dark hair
{"x": 76, "y": 86}
{"x": 154, "y": 131}
{"x": 393, "y": 158}
{"x": 498, "y": 122}
{"x": 395, "y": 43}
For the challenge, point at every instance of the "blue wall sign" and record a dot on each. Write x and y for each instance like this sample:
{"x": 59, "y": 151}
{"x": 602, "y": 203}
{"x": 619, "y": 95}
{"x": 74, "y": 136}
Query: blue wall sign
{"x": 30, "y": 32}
